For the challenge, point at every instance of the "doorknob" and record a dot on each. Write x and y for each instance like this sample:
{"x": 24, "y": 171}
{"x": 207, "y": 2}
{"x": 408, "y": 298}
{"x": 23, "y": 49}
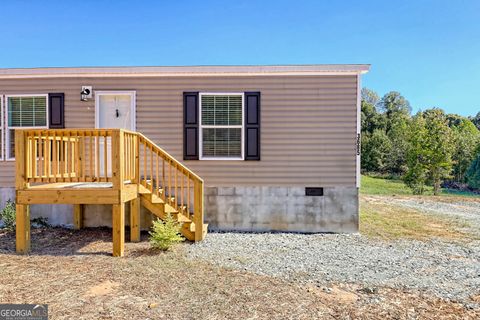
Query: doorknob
{"x": 117, "y": 113}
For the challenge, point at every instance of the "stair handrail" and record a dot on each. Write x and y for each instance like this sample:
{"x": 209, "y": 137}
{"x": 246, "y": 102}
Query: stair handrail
{"x": 168, "y": 156}
{"x": 198, "y": 183}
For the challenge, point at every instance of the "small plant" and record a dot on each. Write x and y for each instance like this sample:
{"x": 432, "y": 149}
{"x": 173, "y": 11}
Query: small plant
{"x": 7, "y": 215}
{"x": 165, "y": 234}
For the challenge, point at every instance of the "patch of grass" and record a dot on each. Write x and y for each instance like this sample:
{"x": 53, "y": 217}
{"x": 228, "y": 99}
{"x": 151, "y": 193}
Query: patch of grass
{"x": 378, "y": 219}
{"x": 381, "y": 186}
{"x": 396, "y": 187}
{"x": 459, "y": 193}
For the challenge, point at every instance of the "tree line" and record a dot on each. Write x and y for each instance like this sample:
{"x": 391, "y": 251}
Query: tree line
{"x": 429, "y": 148}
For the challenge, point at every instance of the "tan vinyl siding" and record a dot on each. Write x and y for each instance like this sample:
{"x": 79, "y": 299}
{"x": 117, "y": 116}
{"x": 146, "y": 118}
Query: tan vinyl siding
{"x": 308, "y": 123}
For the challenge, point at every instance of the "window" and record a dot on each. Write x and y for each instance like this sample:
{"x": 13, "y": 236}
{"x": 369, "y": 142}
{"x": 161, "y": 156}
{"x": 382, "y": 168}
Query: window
{"x": 221, "y": 126}
{"x": 24, "y": 111}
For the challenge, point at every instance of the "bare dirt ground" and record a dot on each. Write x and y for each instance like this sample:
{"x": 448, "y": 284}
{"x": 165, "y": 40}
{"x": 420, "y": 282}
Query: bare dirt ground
{"x": 74, "y": 273}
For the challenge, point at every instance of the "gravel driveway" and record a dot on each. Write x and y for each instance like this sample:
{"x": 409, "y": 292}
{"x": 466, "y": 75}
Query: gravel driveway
{"x": 464, "y": 211}
{"x": 447, "y": 270}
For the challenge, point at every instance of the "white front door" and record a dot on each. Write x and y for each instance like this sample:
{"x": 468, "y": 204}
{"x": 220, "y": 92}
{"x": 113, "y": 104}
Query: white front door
{"x": 113, "y": 110}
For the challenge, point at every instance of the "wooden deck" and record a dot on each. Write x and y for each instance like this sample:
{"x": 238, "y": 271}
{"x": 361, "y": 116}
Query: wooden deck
{"x": 104, "y": 166}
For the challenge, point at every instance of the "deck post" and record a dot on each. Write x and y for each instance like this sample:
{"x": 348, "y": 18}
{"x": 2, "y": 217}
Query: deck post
{"x": 135, "y": 220}
{"x": 77, "y": 216}
{"x": 22, "y": 228}
{"x": 118, "y": 158}
{"x": 198, "y": 210}
{"x": 21, "y": 159}
{"x": 118, "y": 225}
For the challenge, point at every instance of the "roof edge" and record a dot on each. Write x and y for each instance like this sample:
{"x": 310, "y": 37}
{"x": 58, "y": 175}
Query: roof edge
{"x": 318, "y": 69}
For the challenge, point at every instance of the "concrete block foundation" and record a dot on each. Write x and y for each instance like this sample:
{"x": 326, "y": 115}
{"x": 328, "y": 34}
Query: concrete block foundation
{"x": 254, "y": 209}
{"x": 269, "y": 208}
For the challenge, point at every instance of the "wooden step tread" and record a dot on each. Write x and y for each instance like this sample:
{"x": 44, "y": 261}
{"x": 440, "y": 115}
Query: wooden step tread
{"x": 143, "y": 190}
{"x": 188, "y": 231}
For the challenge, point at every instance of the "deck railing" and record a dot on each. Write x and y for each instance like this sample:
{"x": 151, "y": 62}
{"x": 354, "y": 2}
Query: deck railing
{"x": 61, "y": 155}
{"x": 171, "y": 181}
{"x": 107, "y": 155}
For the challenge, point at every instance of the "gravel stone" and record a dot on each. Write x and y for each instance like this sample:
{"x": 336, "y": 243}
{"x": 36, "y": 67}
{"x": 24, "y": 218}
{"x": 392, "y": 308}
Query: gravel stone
{"x": 447, "y": 270}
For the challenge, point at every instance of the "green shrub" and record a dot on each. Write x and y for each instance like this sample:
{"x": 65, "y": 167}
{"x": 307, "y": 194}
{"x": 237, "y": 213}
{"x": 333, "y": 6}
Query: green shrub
{"x": 7, "y": 215}
{"x": 165, "y": 234}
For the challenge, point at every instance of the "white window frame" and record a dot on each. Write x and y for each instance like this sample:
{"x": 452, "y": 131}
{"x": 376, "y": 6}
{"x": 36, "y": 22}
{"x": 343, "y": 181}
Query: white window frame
{"x": 201, "y": 126}
{"x": 8, "y": 128}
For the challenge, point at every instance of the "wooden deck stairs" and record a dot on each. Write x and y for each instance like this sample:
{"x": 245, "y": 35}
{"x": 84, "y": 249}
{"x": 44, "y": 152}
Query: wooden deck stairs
{"x": 104, "y": 166}
{"x": 161, "y": 208}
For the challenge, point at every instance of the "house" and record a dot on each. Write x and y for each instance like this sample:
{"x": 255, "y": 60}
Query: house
{"x": 277, "y": 147}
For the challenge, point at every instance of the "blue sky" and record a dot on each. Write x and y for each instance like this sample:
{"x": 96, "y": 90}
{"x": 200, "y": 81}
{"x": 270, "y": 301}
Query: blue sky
{"x": 427, "y": 50}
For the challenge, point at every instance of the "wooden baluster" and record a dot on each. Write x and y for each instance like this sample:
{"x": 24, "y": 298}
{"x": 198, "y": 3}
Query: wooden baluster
{"x": 163, "y": 178}
{"x": 188, "y": 195}
{"x": 65, "y": 156}
{"x": 61, "y": 156}
{"x": 69, "y": 158}
{"x": 33, "y": 157}
{"x": 176, "y": 190}
{"x": 28, "y": 152}
{"x": 55, "y": 156}
{"x": 91, "y": 167}
{"x": 105, "y": 160}
{"x": 133, "y": 160}
{"x": 76, "y": 156}
{"x": 40, "y": 156}
{"x": 169, "y": 179}
{"x": 73, "y": 156}
{"x": 47, "y": 155}
{"x": 145, "y": 162}
{"x": 66, "y": 151}
{"x": 182, "y": 203}
{"x": 157, "y": 175}
{"x": 127, "y": 156}
{"x": 97, "y": 155}
{"x": 151, "y": 169}
{"x": 35, "y": 161}
{"x": 82, "y": 155}
{"x": 136, "y": 142}
{"x": 130, "y": 157}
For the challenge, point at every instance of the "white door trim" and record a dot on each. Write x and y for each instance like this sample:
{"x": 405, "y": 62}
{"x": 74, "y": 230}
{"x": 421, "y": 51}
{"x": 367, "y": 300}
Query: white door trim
{"x": 133, "y": 105}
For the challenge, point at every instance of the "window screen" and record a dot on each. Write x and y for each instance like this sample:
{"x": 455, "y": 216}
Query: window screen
{"x": 221, "y": 126}
{"x": 24, "y": 111}
{"x": 27, "y": 111}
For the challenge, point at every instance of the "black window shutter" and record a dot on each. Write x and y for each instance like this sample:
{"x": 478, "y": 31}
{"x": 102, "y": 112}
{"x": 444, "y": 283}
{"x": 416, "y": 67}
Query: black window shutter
{"x": 252, "y": 125}
{"x": 190, "y": 126}
{"x": 56, "y": 106}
